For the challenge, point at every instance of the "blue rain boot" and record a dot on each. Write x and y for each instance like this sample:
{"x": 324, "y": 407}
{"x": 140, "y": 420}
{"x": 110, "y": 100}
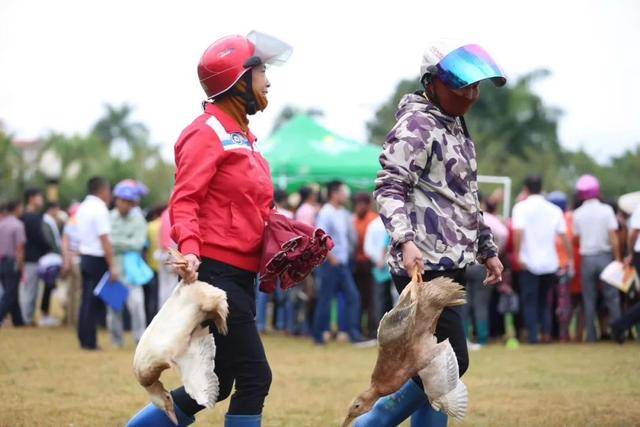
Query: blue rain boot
{"x": 152, "y": 416}
{"x": 426, "y": 416}
{"x": 391, "y": 410}
{"x": 242, "y": 420}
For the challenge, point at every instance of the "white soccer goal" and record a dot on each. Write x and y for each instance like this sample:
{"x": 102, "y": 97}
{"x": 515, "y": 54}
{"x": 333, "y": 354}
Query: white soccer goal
{"x": 505, "y": 181}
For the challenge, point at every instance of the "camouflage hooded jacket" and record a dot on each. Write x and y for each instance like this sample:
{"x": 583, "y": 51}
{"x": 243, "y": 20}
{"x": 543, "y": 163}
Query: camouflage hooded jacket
{"x": 427, "y": 189}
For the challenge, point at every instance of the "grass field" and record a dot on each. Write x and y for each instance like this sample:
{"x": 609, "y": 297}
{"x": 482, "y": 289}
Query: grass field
{"x": 45, "y": 380}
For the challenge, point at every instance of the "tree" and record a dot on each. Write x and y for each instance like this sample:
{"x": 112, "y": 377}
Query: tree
{"x": 116, "y": 125}
{"x": 385, "y": 116}
{"x": 10, "y": 161}
{"x": 622, "y": 175}
{"x": 516, "y": 117}
{"x": 83, "y": 156}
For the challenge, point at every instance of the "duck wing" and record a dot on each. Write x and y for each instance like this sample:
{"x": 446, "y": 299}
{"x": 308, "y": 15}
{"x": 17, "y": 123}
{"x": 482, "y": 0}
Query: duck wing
{"x": 196, "y": 365}
{"x": 396, "y": 325}
{"x": 441, "y": 382}
{"x": 454, "y": 403}
{"x": 440, "y": 375}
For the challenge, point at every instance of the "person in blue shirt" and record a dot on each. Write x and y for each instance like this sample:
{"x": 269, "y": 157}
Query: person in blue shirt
{"x": 335, "y": 274}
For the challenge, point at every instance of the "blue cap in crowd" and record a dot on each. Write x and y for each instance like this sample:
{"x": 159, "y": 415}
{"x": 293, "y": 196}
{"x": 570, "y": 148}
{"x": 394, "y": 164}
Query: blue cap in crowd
{"x": 130, "y": 190}
{"x": 559, "y": 199}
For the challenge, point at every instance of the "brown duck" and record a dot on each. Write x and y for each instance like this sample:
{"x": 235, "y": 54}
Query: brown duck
{"x": 407, "y": 347}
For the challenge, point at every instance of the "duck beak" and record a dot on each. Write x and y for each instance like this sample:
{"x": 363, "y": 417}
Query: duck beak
{"x": 172, "y": 416}
{"x": 347, "y": 421}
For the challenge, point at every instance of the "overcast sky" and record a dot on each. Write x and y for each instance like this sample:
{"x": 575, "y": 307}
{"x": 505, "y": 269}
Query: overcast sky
{"x": 60, "y": 61}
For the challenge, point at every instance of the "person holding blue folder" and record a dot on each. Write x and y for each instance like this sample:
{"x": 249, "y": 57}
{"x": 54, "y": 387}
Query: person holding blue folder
{"x": 128, "y": 236}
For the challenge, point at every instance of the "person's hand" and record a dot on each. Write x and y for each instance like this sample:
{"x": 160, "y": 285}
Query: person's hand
{"x": 66, "y": 267}
{"x": 333, "y": 261}
{"x": 572, "y": 269}
{"x": 411, "y": 257}
{"x": 494, "y": 271}
{"x": 627, "y": 260}
{"x": 189, "y": 272}
{"x": 113, "y": 272}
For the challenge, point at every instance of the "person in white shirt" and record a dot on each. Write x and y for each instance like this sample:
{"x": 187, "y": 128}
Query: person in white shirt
{"x": 536, "y": 223}
{"x": 96, "y": 256}
{"x": 595, "y": 225}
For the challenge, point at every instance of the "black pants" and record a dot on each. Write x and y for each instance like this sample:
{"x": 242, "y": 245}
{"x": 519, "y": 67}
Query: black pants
{"x": 450, "y": 322}
{"x": 46, "y": 298}
{"x": 629, "y": 317}
{"x": 151, "y": 298}
{"x": 364, "y": 281}
{"x": 240, "y": 357}
{"x": 91, "y": 307}
{"x": 10, "y": 279}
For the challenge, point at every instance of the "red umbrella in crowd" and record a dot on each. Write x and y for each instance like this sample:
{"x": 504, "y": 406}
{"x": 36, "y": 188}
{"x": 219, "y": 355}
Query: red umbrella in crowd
{"x": 291, "y": 251}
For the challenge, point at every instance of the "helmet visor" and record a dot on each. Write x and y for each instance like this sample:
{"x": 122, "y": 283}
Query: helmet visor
{"x": 269, "y": 49}
{"x": 468, "y": 65}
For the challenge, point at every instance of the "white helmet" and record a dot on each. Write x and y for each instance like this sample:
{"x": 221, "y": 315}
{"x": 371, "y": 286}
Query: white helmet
{"x": 459, "y": 65}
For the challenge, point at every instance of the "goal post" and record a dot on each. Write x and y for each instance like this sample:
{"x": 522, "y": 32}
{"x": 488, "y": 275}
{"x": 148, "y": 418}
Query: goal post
{"x": 505, "y": 181}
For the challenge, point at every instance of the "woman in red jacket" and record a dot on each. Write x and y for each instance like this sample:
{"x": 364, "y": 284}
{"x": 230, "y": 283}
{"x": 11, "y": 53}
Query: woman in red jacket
{"x": 222, "y": 196}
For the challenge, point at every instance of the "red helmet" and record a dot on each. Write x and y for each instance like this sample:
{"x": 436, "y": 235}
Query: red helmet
{"x": 229, "y": 58}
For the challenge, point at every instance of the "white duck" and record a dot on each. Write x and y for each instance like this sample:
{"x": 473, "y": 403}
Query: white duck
{"x": 179, "y": 336}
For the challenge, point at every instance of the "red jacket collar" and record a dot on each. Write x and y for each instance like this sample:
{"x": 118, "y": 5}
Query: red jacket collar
{"x": 227, "y": 121}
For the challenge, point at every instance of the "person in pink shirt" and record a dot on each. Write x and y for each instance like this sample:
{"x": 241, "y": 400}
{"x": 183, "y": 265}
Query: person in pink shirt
{"x": 167, "y": 278}
{"x": 308, "y": 209}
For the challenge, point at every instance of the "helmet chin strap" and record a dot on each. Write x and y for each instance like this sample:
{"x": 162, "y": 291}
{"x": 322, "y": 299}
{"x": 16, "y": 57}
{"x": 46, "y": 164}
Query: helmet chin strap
{"x": 251, "y": 104}
{"x": 427, "y": 80}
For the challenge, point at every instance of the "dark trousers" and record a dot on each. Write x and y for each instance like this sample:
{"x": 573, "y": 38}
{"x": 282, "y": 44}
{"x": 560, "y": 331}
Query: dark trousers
{"x": 533, "y": 299}
{"x": 10, "y": 279}
{"x": 632, "y": 315}
{"x": 332, "y": 280}
{"x": 151, "y": 298}
{"x": 91, "y": 307}
{"x": 46, "y": 298}
{"x": 364, "y": 281}
{"x": 629, "y": 318}
{"x": 240, "y": 356}
{"x": 382, "y": 301}
{"x": 450, "y": 323}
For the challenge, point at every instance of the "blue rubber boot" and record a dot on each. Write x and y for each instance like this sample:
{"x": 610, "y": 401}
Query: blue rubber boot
{"x": 152, "y": 416}
{"x": 389, "y": 411}
{"x": 426, "y": 416}
{"x": 242, "y": 420}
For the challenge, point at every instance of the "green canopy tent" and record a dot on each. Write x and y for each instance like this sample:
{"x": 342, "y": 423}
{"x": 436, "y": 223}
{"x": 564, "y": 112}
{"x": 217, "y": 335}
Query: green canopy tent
{"x": 303, "y": 152}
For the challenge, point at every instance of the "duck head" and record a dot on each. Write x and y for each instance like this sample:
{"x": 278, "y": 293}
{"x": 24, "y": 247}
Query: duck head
{"x": 360, "y": 405}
